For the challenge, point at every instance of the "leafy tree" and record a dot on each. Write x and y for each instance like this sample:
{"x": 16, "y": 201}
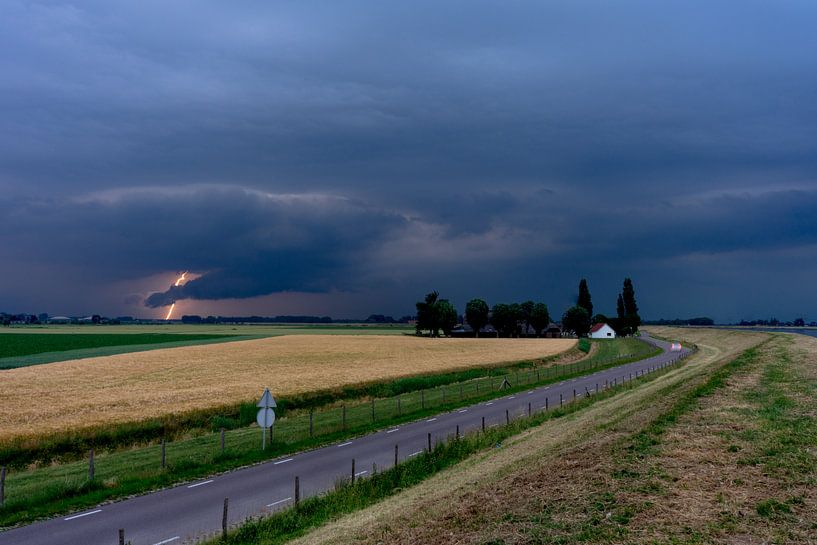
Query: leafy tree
{"x": 620, "y": 307}
{"x": 427, "y": 318}
{"x": 446, "y": 316}
{"x": 539, "y": 318}
{"x": 476, "y": 314}
{"x": 584, "y": 299}
{"x": 577, "y": 320}
{"x": 799, "y": 322}
{"x": 503, "y": 318}
{"x": 600, "y": 319}
{"x": 631, "y": 318}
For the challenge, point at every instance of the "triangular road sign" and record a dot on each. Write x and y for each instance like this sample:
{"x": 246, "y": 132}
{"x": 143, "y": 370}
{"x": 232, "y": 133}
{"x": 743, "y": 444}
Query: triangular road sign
{"x": 266, "y": 400}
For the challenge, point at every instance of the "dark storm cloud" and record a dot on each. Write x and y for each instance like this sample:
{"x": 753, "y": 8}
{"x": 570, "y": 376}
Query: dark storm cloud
{"x": 476, "y": 146}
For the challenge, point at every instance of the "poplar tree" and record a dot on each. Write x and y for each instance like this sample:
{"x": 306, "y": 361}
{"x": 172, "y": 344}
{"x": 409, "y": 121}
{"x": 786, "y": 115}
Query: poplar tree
{"x": 584, "y": 299}
{"x": 631, "y": 318}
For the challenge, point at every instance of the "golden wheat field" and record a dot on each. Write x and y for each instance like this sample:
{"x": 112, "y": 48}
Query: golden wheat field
{"x": 127, "y": 387}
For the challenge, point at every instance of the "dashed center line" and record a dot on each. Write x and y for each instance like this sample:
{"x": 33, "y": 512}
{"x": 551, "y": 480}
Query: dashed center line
{"x": 200, "y": 484}
{"x": 273, "y": 504}
{"x": 83, "y": 515}
{"x": 359, "y": 473}
{"x": 490, "y": 403}
{"x": 431, "y": 420}
{"x": 512, "y": 397}
{"x": 463, "y": 411}
{"x": 166, "y": 541}
{"x": 392, "y": 430}
{"x": 347, "y": 443}
{"x": 530, "y": 392}
{"x": 279, "y": 462}
{"x": 415, "y": 453}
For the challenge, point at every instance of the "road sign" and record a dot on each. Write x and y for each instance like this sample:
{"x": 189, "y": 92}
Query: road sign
{"x": 265, "y": 418}
{"x": 267, "y": 400}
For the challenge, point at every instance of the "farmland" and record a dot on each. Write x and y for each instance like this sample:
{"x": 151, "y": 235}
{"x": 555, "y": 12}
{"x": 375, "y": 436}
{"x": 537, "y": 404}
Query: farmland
{"x": 107, "y": 390}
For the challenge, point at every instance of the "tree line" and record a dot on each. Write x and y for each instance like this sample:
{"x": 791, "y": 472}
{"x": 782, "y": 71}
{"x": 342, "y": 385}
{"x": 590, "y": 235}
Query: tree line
{"x": 435, "y": 315}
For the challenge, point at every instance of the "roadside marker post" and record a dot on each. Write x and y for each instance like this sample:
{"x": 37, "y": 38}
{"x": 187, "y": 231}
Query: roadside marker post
{"x": 121, "y": 536}
{"x": 297, "y": 490}
{"x": 353, "y": 471}
{"x": 224, "y": 519}
{"x": 395, "y": 455}
{"x": 266, "y": 416}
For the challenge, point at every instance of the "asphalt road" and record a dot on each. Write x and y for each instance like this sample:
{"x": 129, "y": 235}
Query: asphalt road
{"x": 190, "y": 512}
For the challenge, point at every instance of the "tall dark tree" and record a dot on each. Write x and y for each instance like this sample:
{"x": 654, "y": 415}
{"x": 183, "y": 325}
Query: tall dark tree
{"x": 427, "y": 319}
{"x": 518, "y": 318}
{"x": 539, "y": 318}
{"x": 526, "y": 309}
{"x": 584, "y": 299}
{"x": 631, "y": 318}
{"x": 476, "y": 314}
{"x": 577, "y": 320}
{"x": 620, "y": 307}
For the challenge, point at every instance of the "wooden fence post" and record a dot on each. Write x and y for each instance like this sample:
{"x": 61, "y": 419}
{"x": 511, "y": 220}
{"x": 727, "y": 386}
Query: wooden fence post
{"x": 297, "y": 490}
{"x": 507, "y": 417}
{"x": 121, "y": 536}
{"x": 547, "y": 400}
{"x": 395, "y": 455}
{"x": 458, "y": 432}
{"x": 429, "y": 442}
{"x": 91, "y": 465}
{"x": 561, "y": 400}
{"x": 483, "y": 424}
{"x": 530, "y": 410}
{"x": 224, "y": 519}
{"x": 353, "y": 471}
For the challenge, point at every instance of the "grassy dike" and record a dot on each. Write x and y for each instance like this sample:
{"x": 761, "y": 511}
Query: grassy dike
{"x": 350, "y": 496}
{"x": 46, "y": 491}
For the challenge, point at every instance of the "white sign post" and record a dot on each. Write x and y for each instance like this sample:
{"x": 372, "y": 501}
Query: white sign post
{"x": 266, "y": 416}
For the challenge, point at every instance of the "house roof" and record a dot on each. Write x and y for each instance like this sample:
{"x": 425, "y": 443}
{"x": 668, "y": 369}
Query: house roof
{"x": 597, "y": 327}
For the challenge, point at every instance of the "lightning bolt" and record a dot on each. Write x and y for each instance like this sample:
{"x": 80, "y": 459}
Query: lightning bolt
{"x": 179, "y": 280}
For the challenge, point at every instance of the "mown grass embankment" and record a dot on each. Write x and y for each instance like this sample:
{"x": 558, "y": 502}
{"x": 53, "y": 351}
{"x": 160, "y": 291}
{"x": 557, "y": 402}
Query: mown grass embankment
{"x": 47, "y": 490}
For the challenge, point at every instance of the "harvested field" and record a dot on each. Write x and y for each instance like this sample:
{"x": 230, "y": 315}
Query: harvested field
{"x": 127, "y": 387}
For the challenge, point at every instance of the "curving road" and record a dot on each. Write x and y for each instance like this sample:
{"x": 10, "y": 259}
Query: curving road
{"x": 190, "y": 512}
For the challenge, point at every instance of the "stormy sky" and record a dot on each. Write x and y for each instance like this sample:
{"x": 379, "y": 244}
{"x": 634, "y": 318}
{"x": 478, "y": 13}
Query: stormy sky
{"x": 344, "y": 158}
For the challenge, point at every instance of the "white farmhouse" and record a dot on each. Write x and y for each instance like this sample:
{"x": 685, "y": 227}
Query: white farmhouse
{"x": 602, "y": 331}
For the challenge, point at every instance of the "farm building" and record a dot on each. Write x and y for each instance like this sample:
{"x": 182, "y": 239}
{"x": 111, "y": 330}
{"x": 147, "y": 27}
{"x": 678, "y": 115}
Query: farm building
{"x": 553, "y": 331}
{"x": 602, "y": 331}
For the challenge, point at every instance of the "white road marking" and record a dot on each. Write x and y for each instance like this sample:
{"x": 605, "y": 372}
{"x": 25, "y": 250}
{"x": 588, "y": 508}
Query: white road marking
{"x": 415, "y": 453}
{"x": 490, "y": 403}
{"x": 345, "y": 444}
{"x": 273, "y": 504}
{"x": 463, "y": 411}
{"x": 431, "y": 419}
{"x": 279, "y": 462}
{"x": 512, "y": 397}
{"x": 392, "y": 430}
{"x": 359, "y": 473}
{"x": 199, "y": 484}
{"x": 530, "y": 392}
{"x": 84, "y": 514}
{"x": 167, "y": 541}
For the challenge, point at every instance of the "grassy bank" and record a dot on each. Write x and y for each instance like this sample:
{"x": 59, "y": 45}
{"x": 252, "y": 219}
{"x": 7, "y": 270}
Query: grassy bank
{"x": 53, "y": 489}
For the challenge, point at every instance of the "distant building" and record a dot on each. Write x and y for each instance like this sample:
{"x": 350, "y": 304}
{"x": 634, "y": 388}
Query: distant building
{"x": 602, "y": 331}
{"x": 59, "y": 320}
{"x": 553, "y": 331}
